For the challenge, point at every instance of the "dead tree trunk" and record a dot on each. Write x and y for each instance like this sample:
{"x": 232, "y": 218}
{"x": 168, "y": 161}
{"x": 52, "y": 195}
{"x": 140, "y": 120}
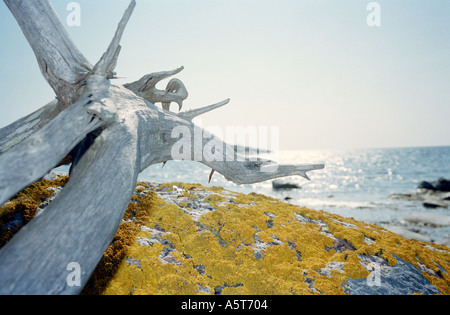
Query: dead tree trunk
{"x": 110, "y": 134}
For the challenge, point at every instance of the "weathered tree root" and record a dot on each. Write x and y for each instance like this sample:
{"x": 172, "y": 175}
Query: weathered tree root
{"x": 111, "y": 133}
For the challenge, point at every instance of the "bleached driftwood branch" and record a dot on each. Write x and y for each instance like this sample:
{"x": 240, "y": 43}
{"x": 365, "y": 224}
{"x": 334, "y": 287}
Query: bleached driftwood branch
{"x": 110, "y": 134}
{"x": 61, "y": 63}
{"x": 174, "y": 92}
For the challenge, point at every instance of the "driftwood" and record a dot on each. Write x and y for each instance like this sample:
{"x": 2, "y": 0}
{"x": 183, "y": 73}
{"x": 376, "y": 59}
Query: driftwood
{"x": 110, "y": 134}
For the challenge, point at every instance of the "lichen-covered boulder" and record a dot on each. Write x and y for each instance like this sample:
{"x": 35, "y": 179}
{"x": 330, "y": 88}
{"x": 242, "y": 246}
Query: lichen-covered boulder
{"x": 198, "y": 240}
{"x": 188, "y": 239}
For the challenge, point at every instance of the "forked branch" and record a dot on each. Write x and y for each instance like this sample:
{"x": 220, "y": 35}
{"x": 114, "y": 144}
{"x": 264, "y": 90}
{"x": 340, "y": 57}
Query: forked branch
{"x": 113, "y": 133}
{"x": 61, "y": 63}
{"x": 108, "y": 62}
{"x": 146, "y": 88}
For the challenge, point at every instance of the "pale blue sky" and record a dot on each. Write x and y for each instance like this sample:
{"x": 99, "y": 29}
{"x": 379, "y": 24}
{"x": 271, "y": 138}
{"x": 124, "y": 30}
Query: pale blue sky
{"x": 314, "y": 68}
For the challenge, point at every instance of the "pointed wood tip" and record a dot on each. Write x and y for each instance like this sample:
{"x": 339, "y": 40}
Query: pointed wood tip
{"x": 190, "y": 115}
{"x": 210, "y": 176}
{"x": 108, "y": 62}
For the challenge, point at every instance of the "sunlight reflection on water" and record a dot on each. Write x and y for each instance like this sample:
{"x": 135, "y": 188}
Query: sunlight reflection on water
{"x": 354, "y": 183}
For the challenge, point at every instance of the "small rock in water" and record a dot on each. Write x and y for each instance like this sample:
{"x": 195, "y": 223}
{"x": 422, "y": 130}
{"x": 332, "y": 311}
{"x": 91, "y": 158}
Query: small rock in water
{"x": 425, "y": 185}
{"x": 433, "y": 204}
{"x": 278, "y": 185}
{"x": 445, "y": 196}
{"x": 442, "y": 184}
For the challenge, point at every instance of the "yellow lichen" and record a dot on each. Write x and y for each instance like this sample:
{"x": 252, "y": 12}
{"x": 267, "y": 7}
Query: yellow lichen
{"x": 224, "y": 249}
{"x": 215, "y": 199}
{"x": 139, "y": 210}
{"x": 190, "y": 196}
{"x": 23, "y": 206}
{"x": 252, "y": 244}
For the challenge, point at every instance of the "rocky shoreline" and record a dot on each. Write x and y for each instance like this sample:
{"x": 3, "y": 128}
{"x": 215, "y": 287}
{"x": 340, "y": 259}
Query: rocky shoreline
{"x": 247, "y": 238}
{"x": 182, "y": 238}
{"x": 432, "y": 196}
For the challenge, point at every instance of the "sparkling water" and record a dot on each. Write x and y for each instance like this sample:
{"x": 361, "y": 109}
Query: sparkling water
{"x": 355, "y": 183}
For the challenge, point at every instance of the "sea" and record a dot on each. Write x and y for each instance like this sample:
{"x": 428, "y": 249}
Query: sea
{"x": 357, "y": 183}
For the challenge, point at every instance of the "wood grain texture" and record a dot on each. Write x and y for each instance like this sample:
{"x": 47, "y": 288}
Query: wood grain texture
{"x": 61, "y": 63}
{"x": 111, "y": 133}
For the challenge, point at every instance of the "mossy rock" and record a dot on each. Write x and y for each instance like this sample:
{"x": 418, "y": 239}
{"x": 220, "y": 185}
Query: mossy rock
{"x": 221, "y": 242}
{"x": 25, "y": 205}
